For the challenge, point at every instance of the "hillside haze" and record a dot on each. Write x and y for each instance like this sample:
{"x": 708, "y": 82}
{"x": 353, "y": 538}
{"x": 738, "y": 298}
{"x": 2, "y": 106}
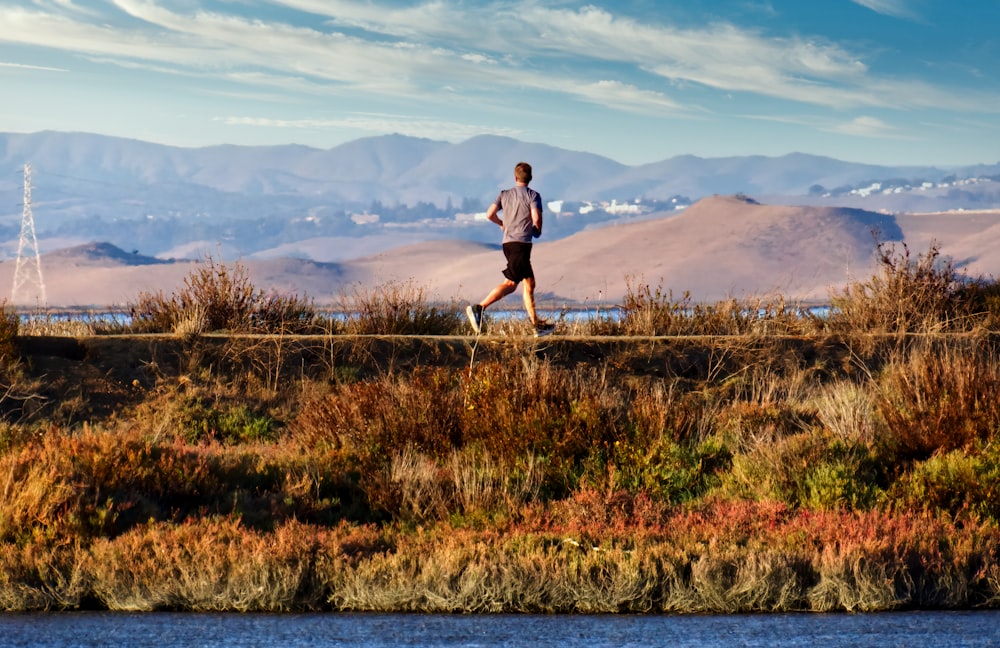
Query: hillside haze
{"x": 117, "y": 216}
{"x": 721, "y": 247}
{"x": 718, "y": 248}
{"x": 244, "y": 201}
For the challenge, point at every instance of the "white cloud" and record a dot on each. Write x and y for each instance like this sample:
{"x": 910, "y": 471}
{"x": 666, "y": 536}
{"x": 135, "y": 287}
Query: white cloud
{"x": 894, "y": 8}
{"x": 435, "y": 50}
{"x": 865, "y": 126}
{"x": 23, "y": 66}
{"x": 67, "y": 5}
{"x": 625, "y": 97}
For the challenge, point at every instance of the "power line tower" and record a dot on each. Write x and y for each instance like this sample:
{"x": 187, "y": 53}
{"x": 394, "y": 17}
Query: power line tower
{"x": 29, "y": 288}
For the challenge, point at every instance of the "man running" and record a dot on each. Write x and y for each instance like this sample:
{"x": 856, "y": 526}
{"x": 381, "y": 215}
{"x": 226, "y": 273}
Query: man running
{"x": 522, "y": 221}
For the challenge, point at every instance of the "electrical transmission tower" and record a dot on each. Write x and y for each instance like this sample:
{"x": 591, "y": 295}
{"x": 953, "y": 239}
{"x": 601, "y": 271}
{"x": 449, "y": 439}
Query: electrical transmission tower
{"x": 28, "y": 285}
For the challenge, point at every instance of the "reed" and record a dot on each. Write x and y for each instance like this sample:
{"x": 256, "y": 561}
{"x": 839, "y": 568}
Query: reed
{"x": 750, "y": 467}
{"x": 398, "y": 308}
{"x": 925, "y": 294}
{"x": 215, "y": 297}
{"x": 649, "y": 311}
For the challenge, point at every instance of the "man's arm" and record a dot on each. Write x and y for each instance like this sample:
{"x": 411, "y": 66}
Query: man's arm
{"x": 536, "y": 221}
{"x": 491, "y": 215}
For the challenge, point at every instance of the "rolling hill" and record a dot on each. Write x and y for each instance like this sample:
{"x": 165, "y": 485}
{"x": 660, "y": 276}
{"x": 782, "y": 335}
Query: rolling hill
{"x": 720, "y": 247}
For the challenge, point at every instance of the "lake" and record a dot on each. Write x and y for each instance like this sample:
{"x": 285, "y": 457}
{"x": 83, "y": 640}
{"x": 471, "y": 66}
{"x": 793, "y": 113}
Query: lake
{"x": 173, "y": 630}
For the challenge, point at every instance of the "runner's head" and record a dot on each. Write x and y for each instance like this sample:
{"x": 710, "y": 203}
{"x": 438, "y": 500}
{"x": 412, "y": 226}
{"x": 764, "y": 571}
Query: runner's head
{"x": 522, "y": 172}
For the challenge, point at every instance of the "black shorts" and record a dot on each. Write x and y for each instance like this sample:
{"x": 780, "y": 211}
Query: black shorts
{"x": 518, "y": 261}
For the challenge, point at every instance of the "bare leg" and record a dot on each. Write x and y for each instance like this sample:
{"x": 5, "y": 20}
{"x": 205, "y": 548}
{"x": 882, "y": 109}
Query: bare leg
{"x": 498, "y": 293}
{"x": 529, "y": 300}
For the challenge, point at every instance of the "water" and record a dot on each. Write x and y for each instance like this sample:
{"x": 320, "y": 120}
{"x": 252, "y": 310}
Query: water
{"x": 166, "y": 630}
{"x": 583, "y": 315}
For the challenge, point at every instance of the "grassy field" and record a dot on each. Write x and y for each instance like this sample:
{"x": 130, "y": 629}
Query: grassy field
{"x": 230, "y": 450}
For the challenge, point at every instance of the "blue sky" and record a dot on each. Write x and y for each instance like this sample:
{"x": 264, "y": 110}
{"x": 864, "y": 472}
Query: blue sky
{"x": 879, "y": 81}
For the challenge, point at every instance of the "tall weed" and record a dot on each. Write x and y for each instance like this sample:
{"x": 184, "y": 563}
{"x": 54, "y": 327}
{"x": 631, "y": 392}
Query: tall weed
{"x": 219, "y": 297}
{"x": 646, "y": 311}
{"x": 939, "y": 395}
{"x": 398, "y": 308}
{"x": 905, "y": 295}
{"x": 9, "y": 329}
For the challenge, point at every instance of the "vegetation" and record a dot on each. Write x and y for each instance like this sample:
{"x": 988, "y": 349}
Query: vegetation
{"x": 218, "y": 297}
{"x": 757, "y": 458}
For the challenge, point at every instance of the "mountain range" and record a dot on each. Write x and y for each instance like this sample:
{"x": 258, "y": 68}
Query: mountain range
{"x": 116, "y": 216}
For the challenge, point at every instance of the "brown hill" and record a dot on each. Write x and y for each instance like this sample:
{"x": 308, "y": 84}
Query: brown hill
{"x": 719, "y": 247}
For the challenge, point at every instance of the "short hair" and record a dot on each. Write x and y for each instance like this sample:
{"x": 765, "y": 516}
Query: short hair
{"x": 522, "y": 172}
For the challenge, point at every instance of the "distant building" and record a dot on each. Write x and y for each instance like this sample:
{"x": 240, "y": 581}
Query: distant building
{"x": 365, "y": 218}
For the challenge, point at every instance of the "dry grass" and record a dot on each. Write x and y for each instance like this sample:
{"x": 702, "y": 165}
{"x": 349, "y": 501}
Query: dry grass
{"x": 736, "y": 472}
{"x": 648, "y": 311}
{"x": 938, "y": 396}
{"x": 907, "y": 295}
{"x": 218, "y": 297}
{"x": 398, "y": 308}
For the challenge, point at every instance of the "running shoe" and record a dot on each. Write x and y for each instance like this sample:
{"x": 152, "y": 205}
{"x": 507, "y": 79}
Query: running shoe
{"x": 475, "y": 313}
{"x": 544, "y": 328}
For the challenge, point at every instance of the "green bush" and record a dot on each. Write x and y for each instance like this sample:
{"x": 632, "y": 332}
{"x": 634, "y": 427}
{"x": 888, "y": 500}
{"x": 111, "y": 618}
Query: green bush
{"x": 810, "y": 469}
{"x": 233, "y": 426}
{"x": 957, "y": 482}
{"x": 670, "y": 471}
{"x": 845, "y": 482}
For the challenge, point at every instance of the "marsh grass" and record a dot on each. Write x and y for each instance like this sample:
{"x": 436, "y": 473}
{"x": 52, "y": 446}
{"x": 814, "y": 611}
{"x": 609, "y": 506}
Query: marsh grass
{"x": 648, "y": 311}
{"x": 767, "y": 462}
{"x": 716, "y": 558}
{"x": 926, "y": 294}
{"x": 398, "y": 308}
{"x": 218, "y": 297}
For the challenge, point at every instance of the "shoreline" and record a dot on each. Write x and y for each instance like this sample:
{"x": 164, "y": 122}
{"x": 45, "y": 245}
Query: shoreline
{"x": 298, "y": 568}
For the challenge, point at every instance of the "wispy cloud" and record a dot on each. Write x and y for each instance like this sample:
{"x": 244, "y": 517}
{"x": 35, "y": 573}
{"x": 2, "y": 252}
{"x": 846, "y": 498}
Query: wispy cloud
{"x": 871, "y": 127}
{"x": 722, "y": 56}
{"x": 862, "y": 126}
{"x": 432, "y": 51}
{"x": 23, "y": 66}
{"x": 378, "y": 123}
{"x": 894, "y": 8}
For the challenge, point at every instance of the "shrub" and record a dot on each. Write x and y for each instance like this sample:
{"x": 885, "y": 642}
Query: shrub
{"x": 905, "y": 295}
{"x": 9, "y": 328}
{"x": 233, "y": 426}
{"x": 648, "y": 311}
{"x": 957, "y": 482}
{"x": 981, "y": 300}
{"x": 807, "y": 469}
{"x": 217, "y": 297}
{"x": 939, "y": 396}
{"x": 848, "y": 411}
{"x": 567, "y": 417}
{"x": 397, "y": 308}
{"x": 668, "y": 470}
